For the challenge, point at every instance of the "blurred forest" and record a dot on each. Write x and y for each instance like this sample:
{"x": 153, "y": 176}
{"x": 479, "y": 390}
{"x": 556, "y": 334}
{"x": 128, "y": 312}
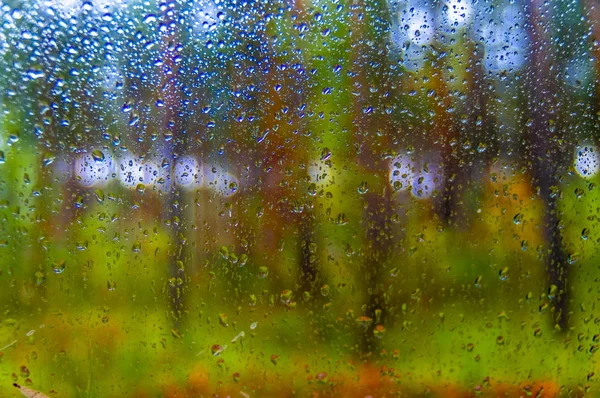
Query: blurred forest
{"x": 350, "y": 198}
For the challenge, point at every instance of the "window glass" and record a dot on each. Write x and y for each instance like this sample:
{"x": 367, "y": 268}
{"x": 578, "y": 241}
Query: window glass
{"x": 350, "y": 198}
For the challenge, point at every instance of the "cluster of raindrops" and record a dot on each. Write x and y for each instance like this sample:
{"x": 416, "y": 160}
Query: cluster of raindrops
{"x": 97, "y": 168}
{"x": 417, "y": 26}
{"x": 587, "y": 161}
{"x": 506, "y": 40}
{"x": 421, "y": 176}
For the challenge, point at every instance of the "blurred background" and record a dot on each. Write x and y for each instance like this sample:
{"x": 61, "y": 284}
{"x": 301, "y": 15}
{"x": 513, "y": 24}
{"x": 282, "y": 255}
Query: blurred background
{"x": 360, "y": 198}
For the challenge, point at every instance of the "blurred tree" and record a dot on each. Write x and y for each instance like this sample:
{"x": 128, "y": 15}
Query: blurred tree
{"x": 546, "y": 150}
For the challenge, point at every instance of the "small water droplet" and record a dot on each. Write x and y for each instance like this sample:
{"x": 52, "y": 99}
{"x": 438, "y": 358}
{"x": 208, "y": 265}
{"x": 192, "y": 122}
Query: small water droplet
{"x": 572, "y": 258}
{"x": 223, "y": 320}
{"x": 217, "y": 349}
{"x": 363, "y": 188}
{"x": 98, "y": 155}
{"x": 48, "y": 159}
{"x": 58, "y": 266}
{"x": 149, "y": 18}
{"x": 503, "y": 274}
{"x": 518, "y": 219}
{"x": 585, "y": 233}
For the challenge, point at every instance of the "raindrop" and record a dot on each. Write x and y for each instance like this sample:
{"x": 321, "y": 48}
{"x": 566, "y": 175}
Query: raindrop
{"x": 58, "y": 266}
{"x": 98, "y": 156}
{"x": 363, "y": 188}
{"x": 503, "y": 274}
{"x": 518, "y": 218}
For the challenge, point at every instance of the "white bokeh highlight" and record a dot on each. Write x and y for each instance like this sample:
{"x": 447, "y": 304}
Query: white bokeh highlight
{"x": 457, "y": 13}
{"x": 402, "y": 172}
{"x": 221, "y": 181}
{"x": 61, "y": 171}
{"x": 586, "y": 160}
{"x": 420, "y": 175}
{"x": 320, "y": 174}
{"x": 428, "y": 179}
{"x": 208, "y": 15}
{"x": 505, "y": 40}
{"x": 188, "y": 172}
{"x": 579, "y": 71}
{"x": 413, "y": 31}
{"x": 90, "y": 172}
{"x": 130, "y": 171}
{"x": 156, "y": 177}
{"x": 74, "y": 7}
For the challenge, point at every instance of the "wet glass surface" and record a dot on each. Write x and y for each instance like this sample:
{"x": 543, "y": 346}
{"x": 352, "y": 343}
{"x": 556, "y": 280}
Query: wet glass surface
{"x": 363, "y": 198}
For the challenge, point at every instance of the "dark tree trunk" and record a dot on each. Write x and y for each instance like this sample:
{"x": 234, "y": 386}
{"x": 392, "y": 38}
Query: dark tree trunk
{"x": 308, "y": 260}
{"x": 377, "y": 251}
{"x": 544, "y": 151}
{"x": 462, "y": 153}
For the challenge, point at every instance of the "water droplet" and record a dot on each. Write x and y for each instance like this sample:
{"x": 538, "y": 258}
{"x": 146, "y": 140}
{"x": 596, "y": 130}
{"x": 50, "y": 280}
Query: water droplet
{"x": 48, "y": 159}
{"x": 518, "y": 218}
{"x": 364, "y": 321}
{"x": 98, "y": 155}
{"x": 263, "y": 272}
{"x": 503, "y": 274}
{"x": 286, "y": 296}
{"x": 379, "y": 331}
{"x": 341, "y": 219}
{"x": 149, "y": 18}
{"x": 240, "y": 335}
{"x": 216, "y": 349}
{"x": 363, "y": 188}
{"x": 552, "y": 290}
{"x": 58, "y": 266}
{"x": 99, "y": 195}
{"x": 223, "y": 320}
{"x": 572, "y": 258}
